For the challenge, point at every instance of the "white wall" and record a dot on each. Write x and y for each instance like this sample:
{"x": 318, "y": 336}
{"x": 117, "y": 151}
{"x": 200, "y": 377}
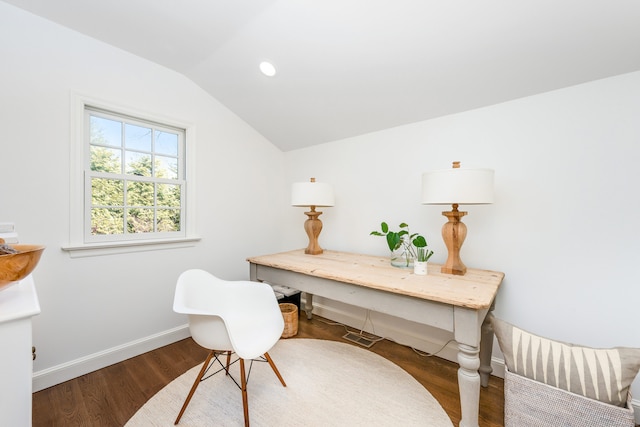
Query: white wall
{"x": 564, "y": 225}
{"x": 94, "y": 309}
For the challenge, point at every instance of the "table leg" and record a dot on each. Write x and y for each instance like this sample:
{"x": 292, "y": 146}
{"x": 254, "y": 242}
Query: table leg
{"x": 469, "y": 384}
{"x": 486, "y": 348}
{"x": 308, "y": 305}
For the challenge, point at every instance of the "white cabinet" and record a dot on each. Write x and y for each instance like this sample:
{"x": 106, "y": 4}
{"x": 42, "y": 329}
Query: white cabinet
{"x": 18, "y": 304}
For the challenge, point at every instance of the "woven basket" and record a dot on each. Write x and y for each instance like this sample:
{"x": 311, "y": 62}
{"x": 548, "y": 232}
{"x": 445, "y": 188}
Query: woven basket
{"x": 529, "y": 403}
{"x": 290, "y": 315}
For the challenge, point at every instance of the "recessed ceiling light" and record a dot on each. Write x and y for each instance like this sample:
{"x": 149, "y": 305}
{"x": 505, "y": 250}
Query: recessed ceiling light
{"x": 267, "y": 69}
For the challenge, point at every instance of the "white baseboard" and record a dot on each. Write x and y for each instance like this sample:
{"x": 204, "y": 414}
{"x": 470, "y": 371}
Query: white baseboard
{"x": 75, "y": 368}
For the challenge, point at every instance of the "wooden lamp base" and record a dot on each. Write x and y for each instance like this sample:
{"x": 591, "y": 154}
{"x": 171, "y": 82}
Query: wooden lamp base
{"x": 313, "y": 227}
{"x": 454, "y": 232}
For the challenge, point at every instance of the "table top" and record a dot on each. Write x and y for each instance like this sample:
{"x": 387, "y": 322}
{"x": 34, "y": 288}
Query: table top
{"x": 476, "y": 289}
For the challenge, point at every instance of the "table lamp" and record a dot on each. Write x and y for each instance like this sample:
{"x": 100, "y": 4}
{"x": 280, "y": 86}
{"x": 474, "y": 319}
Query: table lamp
{"x": 456, "y": 186}
{"x": 313, "y": 194}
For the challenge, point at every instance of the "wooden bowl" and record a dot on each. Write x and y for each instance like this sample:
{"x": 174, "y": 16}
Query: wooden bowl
{"x": 14, "y": 267}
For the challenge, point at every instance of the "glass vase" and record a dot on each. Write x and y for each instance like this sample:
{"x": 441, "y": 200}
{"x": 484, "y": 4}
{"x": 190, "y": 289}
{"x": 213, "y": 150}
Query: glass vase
{"x": 402, "y": 258}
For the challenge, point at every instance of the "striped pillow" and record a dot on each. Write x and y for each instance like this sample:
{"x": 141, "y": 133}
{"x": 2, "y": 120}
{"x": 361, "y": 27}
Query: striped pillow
{"x": 600, "y": 374}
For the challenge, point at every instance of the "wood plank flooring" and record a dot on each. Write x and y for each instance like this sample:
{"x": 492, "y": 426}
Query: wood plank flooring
{"x": 110, "y": 396}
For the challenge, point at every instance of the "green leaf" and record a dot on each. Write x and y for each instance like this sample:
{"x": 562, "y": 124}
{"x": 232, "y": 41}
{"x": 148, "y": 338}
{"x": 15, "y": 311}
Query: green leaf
{"x": 428, "y": 255}
{"x": 419, "y": 242}
{"x": 393, "y": 240}
{"x": 424, "y": 254}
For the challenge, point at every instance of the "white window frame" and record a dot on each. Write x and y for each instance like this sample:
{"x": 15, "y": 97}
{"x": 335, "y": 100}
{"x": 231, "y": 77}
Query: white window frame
{"x": 81, "y": 243}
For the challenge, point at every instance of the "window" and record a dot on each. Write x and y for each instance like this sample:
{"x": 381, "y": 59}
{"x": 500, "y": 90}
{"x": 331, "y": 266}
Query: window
{"x": 134, "y": 178}
{"x": 131, "y": 180}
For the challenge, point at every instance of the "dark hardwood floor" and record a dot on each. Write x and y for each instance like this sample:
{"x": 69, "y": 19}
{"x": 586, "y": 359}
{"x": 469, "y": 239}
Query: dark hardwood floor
{"x": 110, "y": 396}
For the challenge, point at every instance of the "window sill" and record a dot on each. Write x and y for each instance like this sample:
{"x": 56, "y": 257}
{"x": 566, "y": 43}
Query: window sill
{"x": 112, "y": 248}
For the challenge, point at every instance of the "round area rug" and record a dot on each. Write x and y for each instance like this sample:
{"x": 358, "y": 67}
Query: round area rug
{"x": 328, "y": 384}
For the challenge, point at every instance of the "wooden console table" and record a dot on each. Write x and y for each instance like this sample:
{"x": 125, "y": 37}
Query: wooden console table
{"x": 458, "y": 304}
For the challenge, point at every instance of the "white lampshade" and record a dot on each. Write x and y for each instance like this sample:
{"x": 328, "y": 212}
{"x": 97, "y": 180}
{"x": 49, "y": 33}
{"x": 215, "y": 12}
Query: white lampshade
{"x": 457, "y": 186}
{"x": 312, "y": 194}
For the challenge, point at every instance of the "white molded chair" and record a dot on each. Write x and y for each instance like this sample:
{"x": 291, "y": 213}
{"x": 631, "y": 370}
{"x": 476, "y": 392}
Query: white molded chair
{"x": 227, "y": 317}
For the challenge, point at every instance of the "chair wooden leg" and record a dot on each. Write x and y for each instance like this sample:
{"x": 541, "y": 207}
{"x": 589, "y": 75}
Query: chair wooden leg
{"x": 228, "y": 361}
{"x": 245, "y": 400}
{"x": 273, "y": 366}
{"x": 195, "y": 385}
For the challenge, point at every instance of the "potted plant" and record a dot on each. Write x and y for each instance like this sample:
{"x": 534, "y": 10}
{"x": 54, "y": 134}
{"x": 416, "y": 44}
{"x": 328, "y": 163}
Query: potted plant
{"x": 405, "y": 247}
{"x": 422, "y": 256}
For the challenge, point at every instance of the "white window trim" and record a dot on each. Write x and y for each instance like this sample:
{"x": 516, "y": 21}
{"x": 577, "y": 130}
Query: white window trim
{"x": 76, "y": 246}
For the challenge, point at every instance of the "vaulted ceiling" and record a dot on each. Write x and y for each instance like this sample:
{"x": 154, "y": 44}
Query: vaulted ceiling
{"x": 349, "y": 67}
